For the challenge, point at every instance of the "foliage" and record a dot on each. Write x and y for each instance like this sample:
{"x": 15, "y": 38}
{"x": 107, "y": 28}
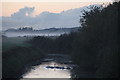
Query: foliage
{"x": 96, "y": 47}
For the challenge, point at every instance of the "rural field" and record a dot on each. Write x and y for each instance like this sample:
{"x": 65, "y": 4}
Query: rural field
{"x": 11, "y": 42}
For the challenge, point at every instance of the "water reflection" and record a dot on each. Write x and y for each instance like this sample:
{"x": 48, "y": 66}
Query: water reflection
{"x": 42, "y": 71}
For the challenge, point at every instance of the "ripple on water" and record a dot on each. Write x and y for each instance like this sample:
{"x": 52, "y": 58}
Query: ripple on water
{"x": 41, "y": 71}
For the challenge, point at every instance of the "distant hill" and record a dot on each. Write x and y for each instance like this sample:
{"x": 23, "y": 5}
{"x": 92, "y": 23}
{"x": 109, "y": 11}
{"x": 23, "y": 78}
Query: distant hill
{"x": 44, "y": 32}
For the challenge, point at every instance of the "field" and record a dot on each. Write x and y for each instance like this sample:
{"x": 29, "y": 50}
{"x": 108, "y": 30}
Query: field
{"x": 11, "y": 42}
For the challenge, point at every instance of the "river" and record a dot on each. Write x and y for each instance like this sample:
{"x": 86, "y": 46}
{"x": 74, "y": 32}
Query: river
{"x": 52, "y": 66}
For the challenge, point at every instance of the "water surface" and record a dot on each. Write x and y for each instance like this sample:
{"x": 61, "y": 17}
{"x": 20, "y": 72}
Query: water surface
{"x": 60, "y": 68}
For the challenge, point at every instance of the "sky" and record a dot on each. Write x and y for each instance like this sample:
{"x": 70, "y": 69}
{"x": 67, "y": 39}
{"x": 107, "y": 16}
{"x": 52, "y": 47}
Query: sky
{"x": 20, "y": 13}
{"x": 10, "y": 6}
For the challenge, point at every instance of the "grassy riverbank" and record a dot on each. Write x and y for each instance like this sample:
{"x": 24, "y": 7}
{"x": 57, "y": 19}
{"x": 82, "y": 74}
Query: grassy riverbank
{"x": 17, "y": 53}
{"x": 11, "y": 42}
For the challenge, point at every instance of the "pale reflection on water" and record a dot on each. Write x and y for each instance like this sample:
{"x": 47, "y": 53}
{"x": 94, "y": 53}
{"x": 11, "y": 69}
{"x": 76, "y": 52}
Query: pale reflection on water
{"x": 41, "y": 71}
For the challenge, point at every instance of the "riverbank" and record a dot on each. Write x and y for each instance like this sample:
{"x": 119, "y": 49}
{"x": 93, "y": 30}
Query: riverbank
{"x": 15, "y": 60}
{"x": 17, "y": 55}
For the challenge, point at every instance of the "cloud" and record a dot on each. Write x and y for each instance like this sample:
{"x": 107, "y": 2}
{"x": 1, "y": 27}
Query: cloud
{"x": 24, "y": 17}
{"x": 24, "y": 12}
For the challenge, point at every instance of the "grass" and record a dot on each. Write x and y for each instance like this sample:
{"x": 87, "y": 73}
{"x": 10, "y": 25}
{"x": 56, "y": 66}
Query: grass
{"x": 16, "y": 54}
{"x": 12, "y": 42}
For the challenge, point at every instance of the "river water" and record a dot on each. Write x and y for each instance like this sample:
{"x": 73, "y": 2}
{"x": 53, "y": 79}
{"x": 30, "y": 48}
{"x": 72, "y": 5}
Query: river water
{"x": 52, "y": 66}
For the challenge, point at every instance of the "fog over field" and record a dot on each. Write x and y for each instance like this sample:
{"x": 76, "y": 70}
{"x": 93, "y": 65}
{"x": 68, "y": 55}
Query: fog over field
{"x": 45, "y": 32}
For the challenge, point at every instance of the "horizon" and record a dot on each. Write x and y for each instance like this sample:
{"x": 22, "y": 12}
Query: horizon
{"x": 42, "y": 29}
